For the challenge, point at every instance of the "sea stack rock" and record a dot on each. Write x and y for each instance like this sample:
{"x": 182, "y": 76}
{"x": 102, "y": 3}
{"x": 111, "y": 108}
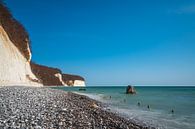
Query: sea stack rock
{"x": 130, "y": 90}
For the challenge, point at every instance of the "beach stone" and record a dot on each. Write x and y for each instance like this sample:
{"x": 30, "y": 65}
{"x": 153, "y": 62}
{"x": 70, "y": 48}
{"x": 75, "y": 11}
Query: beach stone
{"x": 45, "y": 108}
{"x": 93, "y": 105}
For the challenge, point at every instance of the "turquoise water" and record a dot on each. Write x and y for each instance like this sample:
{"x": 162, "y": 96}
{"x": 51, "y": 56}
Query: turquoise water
{"x": 160, "y": 99}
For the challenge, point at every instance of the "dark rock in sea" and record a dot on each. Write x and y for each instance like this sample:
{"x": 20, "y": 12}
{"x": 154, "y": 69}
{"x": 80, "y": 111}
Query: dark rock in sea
{"x": 82, "y": 89}
{"x": 130, "y": 90}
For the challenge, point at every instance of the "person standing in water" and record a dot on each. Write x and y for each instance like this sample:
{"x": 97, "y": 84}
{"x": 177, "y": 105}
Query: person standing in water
{"x": 172, "y": 111}
{"x": 148, "y": 107}
{"x": 110, "y": 97}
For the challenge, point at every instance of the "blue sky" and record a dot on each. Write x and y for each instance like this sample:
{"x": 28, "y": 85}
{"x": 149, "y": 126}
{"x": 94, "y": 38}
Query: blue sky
{"x": 113, "y": 42}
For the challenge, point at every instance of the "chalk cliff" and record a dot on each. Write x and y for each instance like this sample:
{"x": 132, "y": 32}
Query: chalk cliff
{"x": 73, "y": 80}
{"x": 16, "y": 67}
{"x": 53, "y": 76}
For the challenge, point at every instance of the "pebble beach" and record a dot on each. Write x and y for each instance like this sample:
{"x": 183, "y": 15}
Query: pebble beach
{"x": 46, "y": 108}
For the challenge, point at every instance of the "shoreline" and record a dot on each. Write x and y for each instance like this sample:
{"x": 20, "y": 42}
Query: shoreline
{"x": 52, "y": 108}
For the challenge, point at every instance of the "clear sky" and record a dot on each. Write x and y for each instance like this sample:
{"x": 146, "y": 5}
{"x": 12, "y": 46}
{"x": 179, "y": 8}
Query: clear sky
{"x": 113, "y": 42}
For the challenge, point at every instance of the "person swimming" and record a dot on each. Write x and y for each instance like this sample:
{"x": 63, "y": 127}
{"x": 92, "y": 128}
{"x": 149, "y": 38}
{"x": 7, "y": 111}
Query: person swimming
{"x": 148, "y": 106}
{"x": 110, "y": 97}
{"x": 138, "y": 104}
{"x": 172, "y": 111}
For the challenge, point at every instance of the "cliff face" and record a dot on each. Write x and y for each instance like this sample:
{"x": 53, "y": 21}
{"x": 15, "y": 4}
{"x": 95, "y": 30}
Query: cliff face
{"x": 47, "y": 75}
{"x": 15, "y": 31}
{"x": 54, "y": 77}
{"x": 16, "y": 67}
{"x": 73, "y": 80}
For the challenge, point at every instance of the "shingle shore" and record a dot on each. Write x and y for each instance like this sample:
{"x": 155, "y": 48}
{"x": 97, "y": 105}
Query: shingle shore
{"x": 45, "y": 108}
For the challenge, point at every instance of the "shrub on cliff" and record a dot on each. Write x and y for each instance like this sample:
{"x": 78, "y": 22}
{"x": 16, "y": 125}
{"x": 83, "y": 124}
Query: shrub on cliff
{"x": 46, "y": 74}
{"x": 15, "y": 30}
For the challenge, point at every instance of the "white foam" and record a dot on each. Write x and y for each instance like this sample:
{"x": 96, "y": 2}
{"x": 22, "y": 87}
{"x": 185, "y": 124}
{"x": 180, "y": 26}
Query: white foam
{"x": 152, "y": 118}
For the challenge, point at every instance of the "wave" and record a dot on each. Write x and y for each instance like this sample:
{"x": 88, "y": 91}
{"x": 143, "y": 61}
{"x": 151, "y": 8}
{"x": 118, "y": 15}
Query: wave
{"x": 152, "y": 118}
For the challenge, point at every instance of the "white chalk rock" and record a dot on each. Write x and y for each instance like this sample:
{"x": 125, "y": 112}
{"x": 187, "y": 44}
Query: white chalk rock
{"x": 14, "y": 67}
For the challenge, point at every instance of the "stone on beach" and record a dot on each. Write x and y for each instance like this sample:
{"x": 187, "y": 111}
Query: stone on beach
{"x": 28, "y": 107}
{"x": 94, "y": 105}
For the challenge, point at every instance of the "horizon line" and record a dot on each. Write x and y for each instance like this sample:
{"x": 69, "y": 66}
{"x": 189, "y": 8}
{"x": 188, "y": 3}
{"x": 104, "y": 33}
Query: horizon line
{"x": 142, "y": 85}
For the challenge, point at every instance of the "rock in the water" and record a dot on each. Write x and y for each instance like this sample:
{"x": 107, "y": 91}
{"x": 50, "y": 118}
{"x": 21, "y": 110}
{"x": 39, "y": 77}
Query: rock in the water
{"x": 82, "y": 89}
{"x": 130, "y": 90}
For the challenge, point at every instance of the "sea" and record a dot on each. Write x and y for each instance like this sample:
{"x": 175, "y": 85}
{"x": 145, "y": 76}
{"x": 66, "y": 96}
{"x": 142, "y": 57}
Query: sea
{"x": 163, "y": 107}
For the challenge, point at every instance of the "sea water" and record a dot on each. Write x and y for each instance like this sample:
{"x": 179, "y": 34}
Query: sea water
{"x": 169, "y": 107}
